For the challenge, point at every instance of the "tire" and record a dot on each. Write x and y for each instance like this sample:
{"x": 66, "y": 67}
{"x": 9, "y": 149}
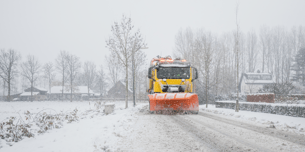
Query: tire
{"x": 195, "y": 112}
{"x": 151, "y": 112}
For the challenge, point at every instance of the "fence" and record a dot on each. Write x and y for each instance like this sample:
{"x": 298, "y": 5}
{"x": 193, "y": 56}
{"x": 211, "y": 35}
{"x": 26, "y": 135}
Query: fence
{"x": 298, "y": 96}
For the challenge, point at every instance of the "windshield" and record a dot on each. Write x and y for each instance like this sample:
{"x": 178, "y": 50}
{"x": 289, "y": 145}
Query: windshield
{"x": 173, "y": 73}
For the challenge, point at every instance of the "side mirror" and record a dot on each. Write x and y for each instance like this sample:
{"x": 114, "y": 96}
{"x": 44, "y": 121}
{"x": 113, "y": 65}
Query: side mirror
{"x": 149, "y": 72}
{"x": 196, "y": 77}
{"x": 195, "y": 74}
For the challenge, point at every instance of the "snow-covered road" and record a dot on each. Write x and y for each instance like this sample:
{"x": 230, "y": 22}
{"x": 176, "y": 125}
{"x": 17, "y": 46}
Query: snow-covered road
{"x": 206, "y": 132}
{"x": 135, "y": 129}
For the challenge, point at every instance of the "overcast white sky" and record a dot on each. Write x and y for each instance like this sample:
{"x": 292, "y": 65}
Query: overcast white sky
{"x": 43, "y": 28}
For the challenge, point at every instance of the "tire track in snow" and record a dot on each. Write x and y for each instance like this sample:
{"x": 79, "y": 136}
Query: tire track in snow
{"x": 220, "y": 140}
{"x": 250, "y": 138}
{"x": 188, "y": 136}
{"x": 159, "y": 133}
{"x": 294, "y": 138}
{"x": 155, "y": 132}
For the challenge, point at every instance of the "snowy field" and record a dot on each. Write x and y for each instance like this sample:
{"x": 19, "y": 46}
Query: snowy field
{"x": 9, "y": 109}
{"x": 93, "y": 131}
{"x": 135, "y": 129}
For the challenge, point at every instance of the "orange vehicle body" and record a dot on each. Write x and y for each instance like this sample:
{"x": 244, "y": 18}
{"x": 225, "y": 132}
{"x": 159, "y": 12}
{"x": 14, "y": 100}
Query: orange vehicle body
{"x": 171, "y": 85}
{"x": 174, "y": 101}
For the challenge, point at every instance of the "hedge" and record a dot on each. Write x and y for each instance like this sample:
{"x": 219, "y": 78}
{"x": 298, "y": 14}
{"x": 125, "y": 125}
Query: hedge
{"x": 279, "y": 109}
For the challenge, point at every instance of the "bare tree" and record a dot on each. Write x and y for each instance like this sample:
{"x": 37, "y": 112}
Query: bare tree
{"x": 61, "y": 66}
{"x": 139, "y": 60}
{"x": 206, "y": 40}
{"x": 30, "y": 70}
{"x": 264, "y": 41}
{"x": 184, "y": 45}
{"x": 114, "y": 67}
{"x": 73, "y": 67}
{"x": 252, "y": 50}
{"x": 89, "y": 74}
{"x": 49, "y": 74}
{"x": 8, "y": 68}
{"x": 2, "y": 81}
{"x": 269, "y": 50}
{"x": 101, "y": 81}
{"x": 217, "y": 66}
{"x": 124, "y": 42}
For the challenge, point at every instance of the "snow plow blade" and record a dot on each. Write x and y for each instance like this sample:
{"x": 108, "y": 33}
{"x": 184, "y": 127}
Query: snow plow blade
{"x": 185, "y": 102}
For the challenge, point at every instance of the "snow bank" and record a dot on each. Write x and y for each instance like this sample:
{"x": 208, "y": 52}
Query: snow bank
{"x": 286, "y": 123}
{"x": 93, "y": 132}
{"x": 302, "y": 103}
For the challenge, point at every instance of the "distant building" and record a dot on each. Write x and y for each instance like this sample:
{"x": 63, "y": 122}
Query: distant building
{"x": 38, "y": 94}
{"x": 14, "y": 97}
{"x": 252, "y": 82}
{"x": 118, "y": 91}
{"x": 78, "y": 93}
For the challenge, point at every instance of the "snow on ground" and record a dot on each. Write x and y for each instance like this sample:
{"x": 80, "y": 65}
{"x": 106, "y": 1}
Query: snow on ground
{"x": 134, "y": 129}
{"x": 286, "y": 123}
{"x": 16, "y": 108}
{"x": 93, "y": 132}
{"x": 301, "y": 103}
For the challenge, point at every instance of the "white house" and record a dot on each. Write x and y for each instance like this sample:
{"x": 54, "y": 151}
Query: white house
{"x": 37, "y": 94}
{"x": 252, "y": 82}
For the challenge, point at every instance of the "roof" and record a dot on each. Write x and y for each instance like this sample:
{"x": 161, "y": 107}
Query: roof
{"x": 257, "y": 73}
{"x": 174, "y": 65}
{"x": 77, "y": 89}
{"x": 28, "y": 93}
{"x": 244, "y": 77}
{"x": 259, "y": 79}
{"x": 123, "y": 82}
{"x": 41, "y": 89}
{"x": 38, "y": 88}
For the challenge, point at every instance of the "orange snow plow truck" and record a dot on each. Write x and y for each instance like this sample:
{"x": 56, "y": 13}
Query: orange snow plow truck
{"x": 170, "y": 86}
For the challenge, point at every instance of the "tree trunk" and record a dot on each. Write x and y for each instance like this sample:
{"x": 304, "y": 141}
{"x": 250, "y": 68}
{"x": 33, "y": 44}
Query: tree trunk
{"x": 71, "y": 90}
{"x": 32, "y": 91}
{"x": 126, "y": 82}
{"x": 263, "y": 69}
{"x": 100, "y": 90}
{"x": 49, "y": 88}
{"x": 3, "y": 90}
{"x": 63, "y": 84}
{"x": 206, "y": 89}
{"x": 88, "y": 92}
{"x": 133, "y": 81}
{"x": 9, "y": 90}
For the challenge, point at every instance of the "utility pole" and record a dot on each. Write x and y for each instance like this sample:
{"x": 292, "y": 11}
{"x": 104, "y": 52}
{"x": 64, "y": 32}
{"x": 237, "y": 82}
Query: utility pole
{"x": 237, "y": 47}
